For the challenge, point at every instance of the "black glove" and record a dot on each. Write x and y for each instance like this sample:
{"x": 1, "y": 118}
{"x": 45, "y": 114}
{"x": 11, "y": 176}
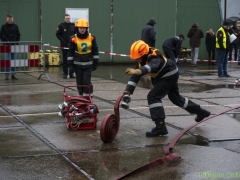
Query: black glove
{"x": 95, "y": 65}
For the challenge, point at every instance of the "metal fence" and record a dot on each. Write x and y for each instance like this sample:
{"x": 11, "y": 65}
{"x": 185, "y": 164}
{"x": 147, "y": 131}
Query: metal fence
{"x": 22, "y": 57}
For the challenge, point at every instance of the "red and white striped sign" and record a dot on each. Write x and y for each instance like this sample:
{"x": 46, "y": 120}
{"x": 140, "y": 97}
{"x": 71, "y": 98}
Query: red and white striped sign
{"x": 19, "y": 49}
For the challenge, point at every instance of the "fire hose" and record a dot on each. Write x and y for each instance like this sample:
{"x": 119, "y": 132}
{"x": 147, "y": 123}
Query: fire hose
{"x": 110, "y": 126}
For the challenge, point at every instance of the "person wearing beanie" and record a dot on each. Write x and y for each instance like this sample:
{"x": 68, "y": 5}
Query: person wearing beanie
{"x": 210, "y": 42}
{"x": 148, "y": 33}
{"x": 83, "y": 56}
{"x": 222, "y": 46}
{"x": 195, "y": 34}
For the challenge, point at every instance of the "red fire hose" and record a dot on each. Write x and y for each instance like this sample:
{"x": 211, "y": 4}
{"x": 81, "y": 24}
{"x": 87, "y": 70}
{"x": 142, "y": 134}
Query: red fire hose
{"x": 110, "y": 126}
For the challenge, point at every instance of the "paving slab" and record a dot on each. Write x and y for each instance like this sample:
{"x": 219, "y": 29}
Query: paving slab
{"x": 32, "y": 135}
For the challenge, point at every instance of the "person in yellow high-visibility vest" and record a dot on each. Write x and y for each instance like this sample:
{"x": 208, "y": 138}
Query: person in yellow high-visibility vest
{"x": 222, "y": 46}
{"x": 83, "y": 56}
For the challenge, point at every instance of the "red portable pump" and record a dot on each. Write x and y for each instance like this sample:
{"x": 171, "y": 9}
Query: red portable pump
{"x": 79, "y": 111}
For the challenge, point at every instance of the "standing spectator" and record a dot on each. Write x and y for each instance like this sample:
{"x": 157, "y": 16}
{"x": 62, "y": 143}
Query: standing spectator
{"x": 210, "y": 42}
{"x": 10, "y": 32}
{"x": 195, "y": 34}
{"x": 222, "y": 46}
{"x": 64, "y": 31}
{"x": 148, "y": 33}
{"x": 172, "y": 46}
{"x": 83, "y": 56}
{"x": 234, "y": 30}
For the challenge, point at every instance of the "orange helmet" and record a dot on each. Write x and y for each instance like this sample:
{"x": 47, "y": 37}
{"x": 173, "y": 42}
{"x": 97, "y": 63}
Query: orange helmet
{"x": 138, "y": 49}
{"x": 81, "y": 23}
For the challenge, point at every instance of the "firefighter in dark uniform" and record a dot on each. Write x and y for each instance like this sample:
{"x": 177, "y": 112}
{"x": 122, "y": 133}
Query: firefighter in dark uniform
{"x": 64, "y": 31}
{"x": 83, "y": 55}
{"x": 172, "y": 47}
{"x": 164, "y": 76}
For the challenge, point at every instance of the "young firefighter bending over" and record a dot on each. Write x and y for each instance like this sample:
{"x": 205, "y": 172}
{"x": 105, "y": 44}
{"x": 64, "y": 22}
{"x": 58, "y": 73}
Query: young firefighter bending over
{"x": 164, "y": 76}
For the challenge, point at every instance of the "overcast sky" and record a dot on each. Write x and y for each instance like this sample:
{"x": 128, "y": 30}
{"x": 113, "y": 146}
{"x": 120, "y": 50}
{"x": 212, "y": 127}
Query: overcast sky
{"x": 233, "y": 8}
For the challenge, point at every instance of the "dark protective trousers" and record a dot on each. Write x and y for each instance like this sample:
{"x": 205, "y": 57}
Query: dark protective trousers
{"x": 168, "y": 86}
{"x": 64, "y": 62}
{"x": 83, "y": 77}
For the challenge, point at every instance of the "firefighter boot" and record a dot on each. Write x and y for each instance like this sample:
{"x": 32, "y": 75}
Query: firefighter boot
{"x": 159, "y": 130}
{"x": 201, "y": 114}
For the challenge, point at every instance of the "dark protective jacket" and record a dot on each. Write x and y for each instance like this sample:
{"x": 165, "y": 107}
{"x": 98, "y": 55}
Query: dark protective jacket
{"x": 173, "y": 43}
{"x": 148, "y": 33}
{"x": 210, "y": 41}
{"x": 64, "y": 32}
{"x": 152, "y": 64}
{"x": 9, "y": 32}
{"x": 236, "y": 31}
{"x": 83, "y": 52}
{"x": 195, "y": 34}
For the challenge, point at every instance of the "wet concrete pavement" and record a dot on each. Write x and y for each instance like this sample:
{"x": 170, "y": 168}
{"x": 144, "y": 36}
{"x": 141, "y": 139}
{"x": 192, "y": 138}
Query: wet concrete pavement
{"x": 35, "y": 142}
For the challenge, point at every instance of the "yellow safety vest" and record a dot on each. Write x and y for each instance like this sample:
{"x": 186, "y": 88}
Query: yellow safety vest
{"x": 224, "y": 38}
{"x": 155, "y": 53}
{"x": 84, "y": 46}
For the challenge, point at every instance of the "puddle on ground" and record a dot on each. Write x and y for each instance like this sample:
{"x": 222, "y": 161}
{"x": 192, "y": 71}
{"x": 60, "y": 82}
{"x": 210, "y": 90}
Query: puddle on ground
{"x": 195, "y": 140}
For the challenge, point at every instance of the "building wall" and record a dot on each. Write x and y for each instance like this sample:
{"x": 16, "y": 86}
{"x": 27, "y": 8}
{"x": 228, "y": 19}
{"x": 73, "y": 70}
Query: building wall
{"x": 205, "y": 12}
{"x": 131, "y": 16}
{"x": 40, "y": 18}
{"x": 26, "y": 16}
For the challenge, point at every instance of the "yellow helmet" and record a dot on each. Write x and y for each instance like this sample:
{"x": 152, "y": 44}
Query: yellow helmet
{"x": 81, "y": 23}
{"x": 138, "y": 49}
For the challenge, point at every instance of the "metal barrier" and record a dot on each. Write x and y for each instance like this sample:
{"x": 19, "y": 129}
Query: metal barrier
{"x": 22, "y": 57}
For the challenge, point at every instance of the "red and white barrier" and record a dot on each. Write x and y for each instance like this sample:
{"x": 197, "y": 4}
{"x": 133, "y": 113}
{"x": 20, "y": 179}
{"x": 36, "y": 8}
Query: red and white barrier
{"x": 125, "y": 55}
{"x": 19, "y": 62}
{"x": 101, "y": 52}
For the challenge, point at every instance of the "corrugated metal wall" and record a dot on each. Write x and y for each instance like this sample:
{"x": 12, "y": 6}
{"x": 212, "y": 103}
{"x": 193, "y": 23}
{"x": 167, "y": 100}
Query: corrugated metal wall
{"x": 205, "y": 12}
{"x": 129, "y": 17}
{"x": 26, "y": 16}
{"x": 99, "y": 20}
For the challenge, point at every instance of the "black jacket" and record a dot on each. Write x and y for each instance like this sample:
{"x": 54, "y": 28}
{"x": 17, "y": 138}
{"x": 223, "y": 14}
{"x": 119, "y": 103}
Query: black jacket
{"x": 173, "y": 43}
{"x": 64, "y": 32}
{"x": 9, "y": 32}
{"x": 154, "y": 64}
{"x": 148, "y": 34}
{"x": 210, "y": 41}
{"x": 236, "y": 31}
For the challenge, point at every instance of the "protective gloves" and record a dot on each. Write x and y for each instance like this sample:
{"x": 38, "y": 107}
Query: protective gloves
{"x": 95, "y": 65}
{"x": 131, "y": 71}
{"x": 126, "y": 92}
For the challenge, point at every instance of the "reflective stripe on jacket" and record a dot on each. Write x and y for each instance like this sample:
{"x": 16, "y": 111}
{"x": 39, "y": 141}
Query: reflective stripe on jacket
{"x": 155, "y": 53}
